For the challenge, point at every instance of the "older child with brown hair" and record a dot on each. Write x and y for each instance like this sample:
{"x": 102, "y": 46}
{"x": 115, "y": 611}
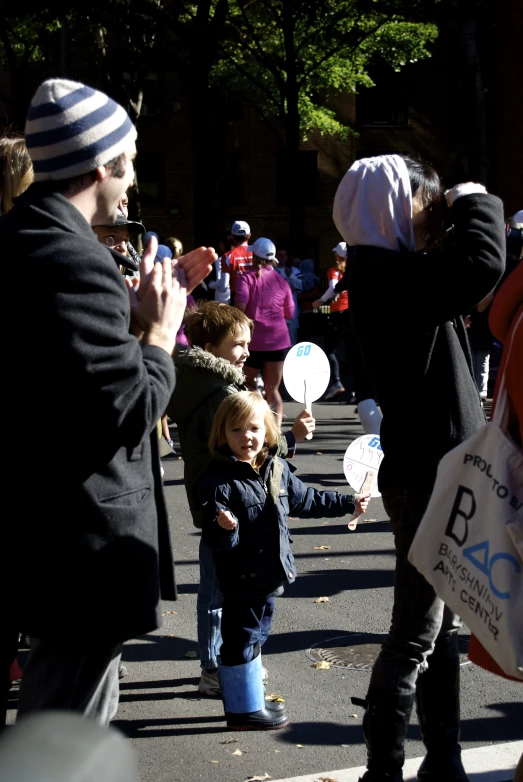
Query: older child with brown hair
{"x": 246, "y": 496}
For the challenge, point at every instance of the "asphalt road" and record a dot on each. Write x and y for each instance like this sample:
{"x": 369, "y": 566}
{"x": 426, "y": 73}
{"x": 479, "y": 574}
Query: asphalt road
{"x": 181, "y": 737}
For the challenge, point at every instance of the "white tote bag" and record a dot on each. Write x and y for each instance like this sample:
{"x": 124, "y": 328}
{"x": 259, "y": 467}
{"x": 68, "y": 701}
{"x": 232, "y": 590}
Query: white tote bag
{"x": 468, "y": 545}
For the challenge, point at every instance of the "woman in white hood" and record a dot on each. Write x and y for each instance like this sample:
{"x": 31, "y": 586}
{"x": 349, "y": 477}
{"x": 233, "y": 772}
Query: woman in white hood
{"x": 408, "y": 288}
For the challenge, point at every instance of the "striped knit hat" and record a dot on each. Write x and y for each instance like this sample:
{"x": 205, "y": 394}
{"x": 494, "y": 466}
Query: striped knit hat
{"x": 72, "y": 129}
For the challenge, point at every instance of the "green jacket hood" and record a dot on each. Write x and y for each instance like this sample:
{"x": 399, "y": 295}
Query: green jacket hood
{"x": 199, "y": 374}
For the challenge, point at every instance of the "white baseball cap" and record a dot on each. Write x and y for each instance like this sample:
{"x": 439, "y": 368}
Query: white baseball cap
{"x": 340, "y": 249}
{"x": 240, "y": 228}
{"x": 263, "y": 248}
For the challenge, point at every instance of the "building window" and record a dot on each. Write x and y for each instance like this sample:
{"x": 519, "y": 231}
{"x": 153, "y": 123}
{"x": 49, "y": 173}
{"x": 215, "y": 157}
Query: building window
{"x": 386, "y": 104}
{"x": 150, "y": 168}
{"x": 306, "y": 186}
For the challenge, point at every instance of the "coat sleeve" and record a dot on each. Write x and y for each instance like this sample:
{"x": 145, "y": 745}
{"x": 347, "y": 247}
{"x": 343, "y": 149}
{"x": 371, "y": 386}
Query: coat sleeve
{"x": 213, "y": 499}
{"x": 120, "y": 388}
{"x": 308, "y": 503}
{"x": 438, "y": 287}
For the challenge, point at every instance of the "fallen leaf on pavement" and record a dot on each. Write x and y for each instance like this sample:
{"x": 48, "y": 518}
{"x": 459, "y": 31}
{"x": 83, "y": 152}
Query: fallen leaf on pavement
{"x": 273, "y": 698}
{"x": 230, "y": 741}
{"x": 322, "y": 600}
{"x": 214, "y": 761}
{"x": 239, "y": 752}
{"x": 190, "y": 655}
{"x": 323, "y": 666}
{"x": 322, "y": 548}
{"x": 346, "y": 746}
{"x": 319, "y": 453}
{"x": 354, "y": 715}
{"x": 300, "y": 746}
{"x": 324, "y": 523}
{"x": 168, "y": 612}
{"x": 258, "y": 779}
{"x": 327, "y": 779}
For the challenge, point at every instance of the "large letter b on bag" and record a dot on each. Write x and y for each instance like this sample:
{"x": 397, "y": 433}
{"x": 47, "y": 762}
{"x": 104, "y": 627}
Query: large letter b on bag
{"x": 467, "y": 543}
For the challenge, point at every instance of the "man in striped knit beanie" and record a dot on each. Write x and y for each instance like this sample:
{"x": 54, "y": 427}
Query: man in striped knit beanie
{"x": 95, "y": 539}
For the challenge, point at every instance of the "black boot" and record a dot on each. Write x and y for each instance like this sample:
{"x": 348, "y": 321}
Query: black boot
{"x": 437, "y": 702}
{"x": 244, "y": 698}
{"x": 385, "y": 723}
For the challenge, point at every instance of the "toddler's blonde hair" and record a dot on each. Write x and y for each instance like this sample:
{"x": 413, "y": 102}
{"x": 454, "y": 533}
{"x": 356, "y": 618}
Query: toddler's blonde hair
{"x": 234, "y": 410}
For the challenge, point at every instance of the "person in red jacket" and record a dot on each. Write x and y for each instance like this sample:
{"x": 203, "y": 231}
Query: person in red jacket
{"x": 239, "y": 260}
{"x": 338, "y": 318}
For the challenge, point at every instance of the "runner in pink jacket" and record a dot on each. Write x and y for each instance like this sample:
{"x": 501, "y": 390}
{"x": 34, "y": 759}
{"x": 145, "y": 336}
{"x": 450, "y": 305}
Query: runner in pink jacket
{"x": 267, "y": 299}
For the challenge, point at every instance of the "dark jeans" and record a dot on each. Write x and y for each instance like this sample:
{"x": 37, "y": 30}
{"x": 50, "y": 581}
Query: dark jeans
{"x": 419, "y": 617}
{"x": 245, "y": 623}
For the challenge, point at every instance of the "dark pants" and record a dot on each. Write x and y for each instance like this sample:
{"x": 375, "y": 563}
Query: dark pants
{"x": 75, "y": 677}
{"x": 362, "y": 381}
{"x": 8, "y": 649}
{"x": 245, "y": 623}
{"x": 419, "y": 617}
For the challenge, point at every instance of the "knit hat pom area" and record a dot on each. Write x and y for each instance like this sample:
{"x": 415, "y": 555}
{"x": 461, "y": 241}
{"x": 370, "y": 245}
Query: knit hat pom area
{"x": 72, "y": 129}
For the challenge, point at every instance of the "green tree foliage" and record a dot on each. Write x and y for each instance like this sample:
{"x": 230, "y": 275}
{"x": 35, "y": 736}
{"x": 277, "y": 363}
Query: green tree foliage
{"x": 286, "y": 58}
{"x": 29, "y": 44}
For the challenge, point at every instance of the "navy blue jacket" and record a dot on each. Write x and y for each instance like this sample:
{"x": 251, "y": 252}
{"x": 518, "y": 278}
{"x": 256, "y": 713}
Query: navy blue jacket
{"x": 255, "y": 558}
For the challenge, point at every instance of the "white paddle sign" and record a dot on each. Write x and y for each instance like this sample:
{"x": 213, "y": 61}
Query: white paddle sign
{"x": 361, "y": 464}
{"x": 306, "y": 374}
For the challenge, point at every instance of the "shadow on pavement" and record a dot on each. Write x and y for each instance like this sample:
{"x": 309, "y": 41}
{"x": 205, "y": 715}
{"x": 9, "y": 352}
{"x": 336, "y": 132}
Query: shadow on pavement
{"x": 148, "y": 729}
{"x": 326, "y": 554}
{"x": 279, "y": 643}
{"x": 332, "y": 582}
{"x": 156, "y": 684}
{"x": 334, "y": 528}
{"x": 494, "y": 729}
{"x": 506, "y": 726}
{"x": 159, "y": 648}
{"x": 319, "y": 733}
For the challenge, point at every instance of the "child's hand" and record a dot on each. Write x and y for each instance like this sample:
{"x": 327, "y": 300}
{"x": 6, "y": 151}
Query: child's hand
{"x": 303, "y": 425}
{"x": 225, "y": 520}
{"x": 361, "y": 501}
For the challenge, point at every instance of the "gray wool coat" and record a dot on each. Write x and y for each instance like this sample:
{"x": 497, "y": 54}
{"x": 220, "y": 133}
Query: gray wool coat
{"x": 88, "y": 549}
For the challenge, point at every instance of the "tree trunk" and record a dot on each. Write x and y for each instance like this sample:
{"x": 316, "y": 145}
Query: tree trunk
{"x": 477, "y": 132}
{"x": 295, "y": 196}
{"x": 293, "y": 172}
{"x": 201, "y": 117}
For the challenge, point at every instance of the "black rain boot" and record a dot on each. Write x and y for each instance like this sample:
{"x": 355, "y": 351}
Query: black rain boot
{"x": 244, "y": 698}
{"x": 437, "y": 702}
{"x": 385, "y": 724}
